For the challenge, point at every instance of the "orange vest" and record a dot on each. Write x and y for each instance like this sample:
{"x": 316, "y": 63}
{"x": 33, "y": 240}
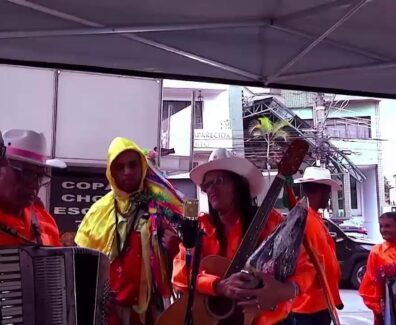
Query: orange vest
{"x": 125, "y": 277}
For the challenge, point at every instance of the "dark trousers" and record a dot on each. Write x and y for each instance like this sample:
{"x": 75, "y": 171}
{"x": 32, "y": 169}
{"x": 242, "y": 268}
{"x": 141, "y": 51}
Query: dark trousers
{"x": 319, "y": 318}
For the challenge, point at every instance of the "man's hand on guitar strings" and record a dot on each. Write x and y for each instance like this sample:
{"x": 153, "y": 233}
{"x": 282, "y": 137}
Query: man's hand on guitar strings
{"x": 232, "y": 286}
{"x": 267, "y": 297}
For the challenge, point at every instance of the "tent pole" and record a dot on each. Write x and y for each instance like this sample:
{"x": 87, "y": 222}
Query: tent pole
{"x": 129, "y": 29}
{"x": 192, "y": 129}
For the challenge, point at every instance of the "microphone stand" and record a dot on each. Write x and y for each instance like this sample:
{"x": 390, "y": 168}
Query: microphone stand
{"x": 189, "y": 319}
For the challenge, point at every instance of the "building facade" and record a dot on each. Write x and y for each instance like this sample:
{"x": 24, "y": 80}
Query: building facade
{"x": 355, "y": 130}
{"x": 80, "y": 113}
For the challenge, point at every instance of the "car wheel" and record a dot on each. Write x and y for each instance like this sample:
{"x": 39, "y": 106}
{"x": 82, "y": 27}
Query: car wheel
{"x": 357, "y": 273}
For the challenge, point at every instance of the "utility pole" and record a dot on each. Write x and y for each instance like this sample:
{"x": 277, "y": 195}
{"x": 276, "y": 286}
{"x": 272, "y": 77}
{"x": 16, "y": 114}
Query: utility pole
{"x": 322, "y": 151}
{"x": 319, "y": 119}
{"x": 322, "y": 156}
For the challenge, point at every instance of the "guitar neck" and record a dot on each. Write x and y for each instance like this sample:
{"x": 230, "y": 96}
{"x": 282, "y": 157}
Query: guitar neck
{"x": 249, "y": 241}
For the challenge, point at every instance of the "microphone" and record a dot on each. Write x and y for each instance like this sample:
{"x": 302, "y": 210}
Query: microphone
{"x": 189, "y": 228}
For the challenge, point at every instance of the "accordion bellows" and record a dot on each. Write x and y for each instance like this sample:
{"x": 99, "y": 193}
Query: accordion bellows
{"x": 53, "y": 286}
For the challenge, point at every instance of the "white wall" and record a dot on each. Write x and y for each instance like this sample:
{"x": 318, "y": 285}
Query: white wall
{"x": 216, "y": 110}
{"x": 215, "y": 113}
{"x": 388, "y": 123}
{"x": 27, "y": 100}
{"x": 93, "y": 109}
{"x": 188, "y": 85}
{"x": 205, "y": 139}
{"x": 180, "y": 132}
{"x": 370, "y": 204}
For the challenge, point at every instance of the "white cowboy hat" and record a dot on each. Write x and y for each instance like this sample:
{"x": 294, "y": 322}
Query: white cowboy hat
{"x": 222, "y": 159}
{"x": 318, "y": 175}
{"x": 29, "y": 146}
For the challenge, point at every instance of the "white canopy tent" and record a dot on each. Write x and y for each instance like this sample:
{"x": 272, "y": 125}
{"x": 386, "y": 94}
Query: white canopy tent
{"x": 335, "y": 46}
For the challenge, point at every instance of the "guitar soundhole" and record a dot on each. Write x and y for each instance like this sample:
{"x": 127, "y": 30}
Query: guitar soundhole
{"x": 220, "y": 308}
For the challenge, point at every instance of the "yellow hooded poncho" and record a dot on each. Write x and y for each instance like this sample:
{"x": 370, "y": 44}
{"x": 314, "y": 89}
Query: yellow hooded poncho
{"x": 97, "y": 230}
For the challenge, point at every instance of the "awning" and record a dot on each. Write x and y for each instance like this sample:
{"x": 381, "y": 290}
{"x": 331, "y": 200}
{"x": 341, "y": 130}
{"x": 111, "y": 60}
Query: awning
{"x": 333, "y": 46}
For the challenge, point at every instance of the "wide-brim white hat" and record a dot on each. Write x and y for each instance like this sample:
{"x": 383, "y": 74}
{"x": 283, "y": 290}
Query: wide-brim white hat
{"x": 318, "y": 175}
{"x": 222, "y": 159}
{"x": 30, "y": 147}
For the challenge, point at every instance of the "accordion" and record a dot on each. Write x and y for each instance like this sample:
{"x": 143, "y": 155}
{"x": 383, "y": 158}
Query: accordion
{"x": 53, "y": 286}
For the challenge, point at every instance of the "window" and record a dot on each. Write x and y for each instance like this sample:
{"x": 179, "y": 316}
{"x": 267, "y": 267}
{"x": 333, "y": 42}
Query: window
{"x": 171, "y": 107}
{"x": 355, "y": 189}
{"x": 354, "y": 194}
{"x": 340, "y": 200}
{"x": 348, "y": 127}
{"x": 198, "y": 115}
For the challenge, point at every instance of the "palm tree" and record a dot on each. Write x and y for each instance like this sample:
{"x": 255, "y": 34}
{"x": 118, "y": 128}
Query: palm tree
{"x": 264, "y": 128}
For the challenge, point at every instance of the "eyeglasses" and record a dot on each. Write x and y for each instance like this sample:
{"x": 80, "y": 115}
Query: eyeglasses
{"x": 218, "y": 181}
{"x": 31, "y": 176}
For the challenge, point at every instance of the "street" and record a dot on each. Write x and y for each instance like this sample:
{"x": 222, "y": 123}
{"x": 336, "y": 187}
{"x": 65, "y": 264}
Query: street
{"x": 354, "y": 312}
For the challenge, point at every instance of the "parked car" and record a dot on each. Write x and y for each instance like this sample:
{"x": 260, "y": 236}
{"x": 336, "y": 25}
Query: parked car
{"x": 354, "y": 231}
{"x": 352, "y": 253}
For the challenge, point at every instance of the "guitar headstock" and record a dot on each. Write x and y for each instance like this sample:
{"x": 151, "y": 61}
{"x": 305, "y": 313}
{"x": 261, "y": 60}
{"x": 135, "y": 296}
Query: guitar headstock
{"x": 293, "y": 157}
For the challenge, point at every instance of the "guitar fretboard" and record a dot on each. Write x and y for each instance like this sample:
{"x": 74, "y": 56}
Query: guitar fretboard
{"x": 249, "y": 241}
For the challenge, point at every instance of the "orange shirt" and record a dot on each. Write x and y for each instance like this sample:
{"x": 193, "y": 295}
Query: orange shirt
{"x": 313, "y": 300}
{"x": 303, "y": 276}
{"x": 211, "y": 246}
{"x": 380, "y": 265}
{"x": 48, "y": 227}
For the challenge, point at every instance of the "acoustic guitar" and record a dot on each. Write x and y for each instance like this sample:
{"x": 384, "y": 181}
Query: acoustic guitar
{"x": 208, "y": 310}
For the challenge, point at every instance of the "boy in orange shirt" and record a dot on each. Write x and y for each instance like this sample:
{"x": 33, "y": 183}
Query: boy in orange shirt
{"x": 381, "y": 265}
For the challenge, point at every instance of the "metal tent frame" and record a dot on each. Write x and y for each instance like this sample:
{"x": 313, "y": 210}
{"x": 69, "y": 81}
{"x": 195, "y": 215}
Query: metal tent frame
{"x": 332, "y": 45}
